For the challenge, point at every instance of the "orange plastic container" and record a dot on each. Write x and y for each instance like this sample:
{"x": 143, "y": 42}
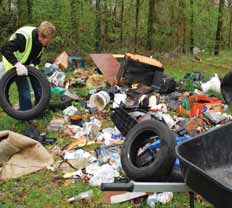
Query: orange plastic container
{"x": 200, "y": 104}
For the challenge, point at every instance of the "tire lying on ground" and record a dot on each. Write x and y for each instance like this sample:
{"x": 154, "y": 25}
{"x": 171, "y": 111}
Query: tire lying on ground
{"x": 155, "y": 165}
{"x": 226, "y": 87}
{"x": 61, "y": 102}
{"x": 8, "y": 78}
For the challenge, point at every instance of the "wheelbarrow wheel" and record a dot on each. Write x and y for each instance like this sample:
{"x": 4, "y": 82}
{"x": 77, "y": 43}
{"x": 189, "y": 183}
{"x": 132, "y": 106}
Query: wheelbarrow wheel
{"x": 139, "y": 161}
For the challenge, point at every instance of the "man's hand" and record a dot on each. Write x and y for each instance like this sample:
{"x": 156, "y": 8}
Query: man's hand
{"x": 21, "y": 69}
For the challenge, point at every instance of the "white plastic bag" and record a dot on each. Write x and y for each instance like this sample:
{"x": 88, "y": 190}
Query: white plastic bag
{"x": 213, "y": 84}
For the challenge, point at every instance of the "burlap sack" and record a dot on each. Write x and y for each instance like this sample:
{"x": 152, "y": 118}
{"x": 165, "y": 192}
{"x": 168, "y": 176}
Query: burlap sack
{"x": 21, "y": 155}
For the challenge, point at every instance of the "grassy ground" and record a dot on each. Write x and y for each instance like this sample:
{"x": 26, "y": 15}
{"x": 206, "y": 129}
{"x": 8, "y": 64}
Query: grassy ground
{"x": 44, "y": 189}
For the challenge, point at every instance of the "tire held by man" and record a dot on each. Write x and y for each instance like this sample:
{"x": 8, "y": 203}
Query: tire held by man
{"x": 5, "y": 82}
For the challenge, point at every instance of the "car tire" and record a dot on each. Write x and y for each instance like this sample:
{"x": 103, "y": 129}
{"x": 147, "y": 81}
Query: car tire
{"x": 226, "y": 87}
{"x": 161, "y": 165}
{"x": 5, "y": 82}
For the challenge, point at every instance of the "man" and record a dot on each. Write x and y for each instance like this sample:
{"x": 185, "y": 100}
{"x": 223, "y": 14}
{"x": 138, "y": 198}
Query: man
{"x": 26, "y": 47}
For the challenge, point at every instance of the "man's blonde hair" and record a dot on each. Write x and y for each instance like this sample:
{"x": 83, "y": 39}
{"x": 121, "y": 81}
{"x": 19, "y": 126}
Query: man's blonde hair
{"x": 47, "y": 30}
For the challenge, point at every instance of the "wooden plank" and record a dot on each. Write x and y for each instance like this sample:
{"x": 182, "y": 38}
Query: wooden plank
{"x": 126, "y": 196}
{"x": 144, "y": 59}
{"x": 118, "y": 55}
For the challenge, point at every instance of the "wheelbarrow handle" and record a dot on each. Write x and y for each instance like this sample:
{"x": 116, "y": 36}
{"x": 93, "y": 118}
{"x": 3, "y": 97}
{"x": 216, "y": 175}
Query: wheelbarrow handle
{"x": 117, "y": 187}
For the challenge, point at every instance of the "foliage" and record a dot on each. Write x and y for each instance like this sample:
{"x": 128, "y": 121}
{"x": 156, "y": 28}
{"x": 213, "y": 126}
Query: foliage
{"x": 76, "y": 24}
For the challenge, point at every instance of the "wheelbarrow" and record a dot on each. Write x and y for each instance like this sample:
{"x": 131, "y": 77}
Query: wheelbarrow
{"x": 206, "y": 166}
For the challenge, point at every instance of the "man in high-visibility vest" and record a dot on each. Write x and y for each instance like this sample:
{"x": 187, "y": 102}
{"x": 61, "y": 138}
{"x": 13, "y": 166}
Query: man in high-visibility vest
{"x": 26, "y": 47}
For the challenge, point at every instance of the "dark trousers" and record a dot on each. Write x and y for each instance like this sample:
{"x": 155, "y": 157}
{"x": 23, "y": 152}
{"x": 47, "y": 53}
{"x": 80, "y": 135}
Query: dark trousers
{"x": 24, "y": 92}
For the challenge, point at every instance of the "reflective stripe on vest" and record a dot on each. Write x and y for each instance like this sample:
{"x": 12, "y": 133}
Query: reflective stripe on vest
{"x": 22, "y": 57}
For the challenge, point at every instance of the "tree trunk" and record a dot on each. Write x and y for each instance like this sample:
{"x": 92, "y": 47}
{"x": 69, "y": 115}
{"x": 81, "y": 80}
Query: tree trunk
{"x": 230, "y": 28}
{"x": 106, "y": 25}
{"x": 121, "y": 22}
{"x": 29, "y": 10}
{"x": 136, "y": 23}
{"x": 19, "y": 10}
{"x": 75, "y": 22}
{"x": 150, "y": 24}
{"x": 98, "y": 27}
{"x": 181, "y": 27}
{"x": 184, "y": 37}
{"x": 191, "y": 28}
{"x": 219, "y": 28}
{"x": 9, "y": 5}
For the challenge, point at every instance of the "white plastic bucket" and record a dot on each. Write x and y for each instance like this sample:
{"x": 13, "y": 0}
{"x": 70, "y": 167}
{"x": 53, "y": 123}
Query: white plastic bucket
{"x": 99, "y": 100}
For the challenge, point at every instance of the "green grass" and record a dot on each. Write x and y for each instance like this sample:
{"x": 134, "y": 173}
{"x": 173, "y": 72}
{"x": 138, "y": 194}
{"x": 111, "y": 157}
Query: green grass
{"x": 43, "y": 189}
{"x": 178, "y": 67}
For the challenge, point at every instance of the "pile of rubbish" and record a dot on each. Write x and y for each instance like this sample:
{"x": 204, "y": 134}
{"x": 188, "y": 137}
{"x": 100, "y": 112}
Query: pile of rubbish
{"x": 100, "y": 106}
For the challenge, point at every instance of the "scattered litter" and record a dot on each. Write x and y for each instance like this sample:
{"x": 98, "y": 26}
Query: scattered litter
{"x": 95, "y": 81}
{"x": 83, "y": 195}
{"x": 57, "y": 78}
{"x": 57, "y": 123}
{"x": 215, "y": 117}
{"x": 118, "y": 99}
{"x": 168, "y": 120}
{"x": 69, "y": 111}
{"x": 152, "y": 200}
{"x": 164, "y": 197}
{"x": 105, "y": 174}
{"x": 77, "y": 154}
{"x": 213, "y": 84}
{"x": 71, "y": 95}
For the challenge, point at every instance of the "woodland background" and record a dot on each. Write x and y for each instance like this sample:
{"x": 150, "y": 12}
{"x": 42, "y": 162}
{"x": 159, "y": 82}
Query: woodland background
{"x": 144, "y": 26}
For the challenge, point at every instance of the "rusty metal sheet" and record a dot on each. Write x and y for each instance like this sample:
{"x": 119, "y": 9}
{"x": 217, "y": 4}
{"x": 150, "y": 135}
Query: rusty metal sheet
{"x": 108, "y": 65}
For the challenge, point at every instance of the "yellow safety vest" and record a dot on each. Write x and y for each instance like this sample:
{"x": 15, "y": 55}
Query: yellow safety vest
{"x": 26, "y": 31}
